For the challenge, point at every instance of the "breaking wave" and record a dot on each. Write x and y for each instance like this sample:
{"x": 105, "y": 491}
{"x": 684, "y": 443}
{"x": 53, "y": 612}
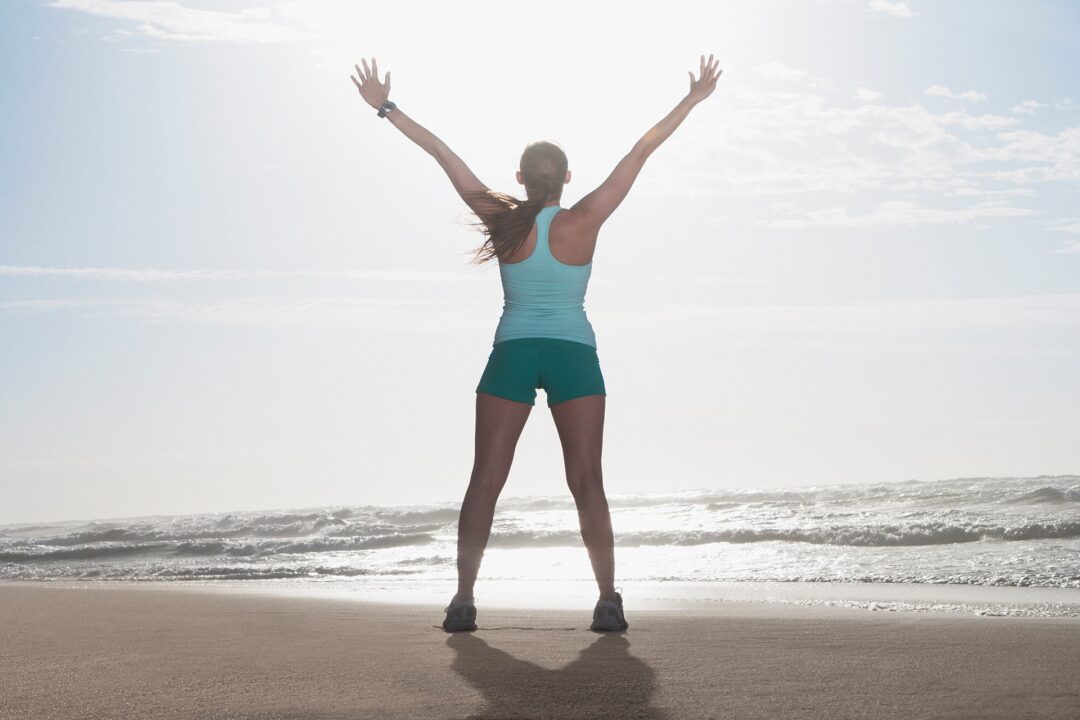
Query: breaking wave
{"x": 970, "y": 530}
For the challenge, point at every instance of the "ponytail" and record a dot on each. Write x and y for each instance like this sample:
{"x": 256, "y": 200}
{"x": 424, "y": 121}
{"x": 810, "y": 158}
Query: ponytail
{"x": 506, "y": 220}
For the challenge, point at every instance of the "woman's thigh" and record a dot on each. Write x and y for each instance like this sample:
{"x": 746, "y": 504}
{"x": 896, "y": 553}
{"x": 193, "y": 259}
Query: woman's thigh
{"x": 580, "y": 423}
{"x": 499, "y": 423}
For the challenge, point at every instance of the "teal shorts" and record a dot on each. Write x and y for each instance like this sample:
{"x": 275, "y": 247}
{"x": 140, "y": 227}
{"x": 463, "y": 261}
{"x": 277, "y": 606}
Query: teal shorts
{"x": 565, "y": 369}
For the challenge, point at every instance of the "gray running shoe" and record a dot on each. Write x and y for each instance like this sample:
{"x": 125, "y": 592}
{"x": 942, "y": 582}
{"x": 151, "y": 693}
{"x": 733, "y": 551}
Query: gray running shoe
{"x": 608, "y": 616}
{"x": 460, "y": 616}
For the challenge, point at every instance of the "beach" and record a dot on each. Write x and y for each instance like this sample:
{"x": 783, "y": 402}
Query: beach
{"x": 156, "y": 650}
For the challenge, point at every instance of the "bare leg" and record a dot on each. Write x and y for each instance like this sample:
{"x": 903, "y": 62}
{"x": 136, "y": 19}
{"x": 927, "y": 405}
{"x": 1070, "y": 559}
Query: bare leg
{"x": 580, "y": 423}
{"x": 499, "y": 423}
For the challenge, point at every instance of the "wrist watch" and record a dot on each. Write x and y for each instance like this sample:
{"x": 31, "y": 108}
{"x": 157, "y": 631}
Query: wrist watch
{"x": 385, "y": 108}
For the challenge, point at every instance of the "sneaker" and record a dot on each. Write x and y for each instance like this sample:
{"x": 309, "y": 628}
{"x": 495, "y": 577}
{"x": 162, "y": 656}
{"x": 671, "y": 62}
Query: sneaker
{"x": 608, "y": 616}
{"x": 460, "y": 616}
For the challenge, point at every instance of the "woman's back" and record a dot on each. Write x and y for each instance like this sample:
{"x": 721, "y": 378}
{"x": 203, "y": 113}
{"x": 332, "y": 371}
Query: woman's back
{"x": 544, "y": 296}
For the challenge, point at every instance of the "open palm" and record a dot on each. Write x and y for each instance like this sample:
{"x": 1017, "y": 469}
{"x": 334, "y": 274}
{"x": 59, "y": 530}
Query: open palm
{"x": 375, "y": 93}
{"x": 704, "y": 85}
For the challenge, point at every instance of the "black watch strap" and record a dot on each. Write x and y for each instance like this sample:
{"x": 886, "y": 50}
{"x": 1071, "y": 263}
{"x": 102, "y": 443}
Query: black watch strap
{"x": 386, "y": 107}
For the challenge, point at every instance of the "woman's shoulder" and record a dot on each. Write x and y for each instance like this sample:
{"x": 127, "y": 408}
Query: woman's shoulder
{"x": 571, "y": 238}
{"x": 573, "y": 220}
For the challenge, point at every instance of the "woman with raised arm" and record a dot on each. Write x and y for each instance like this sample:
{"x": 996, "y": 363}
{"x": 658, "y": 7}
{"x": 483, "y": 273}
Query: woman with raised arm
{"x": 543, "y": 339}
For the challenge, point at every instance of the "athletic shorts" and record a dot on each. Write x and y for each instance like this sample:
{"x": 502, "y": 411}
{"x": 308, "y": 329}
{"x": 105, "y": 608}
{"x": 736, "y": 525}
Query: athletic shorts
{"x": 565, "y": 369}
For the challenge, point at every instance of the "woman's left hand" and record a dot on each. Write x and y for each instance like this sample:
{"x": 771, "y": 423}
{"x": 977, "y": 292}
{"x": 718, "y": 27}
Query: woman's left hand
{"x": 375, "y": 93}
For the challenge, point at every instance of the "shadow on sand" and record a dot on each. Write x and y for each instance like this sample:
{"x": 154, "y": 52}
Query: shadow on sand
{"x": 604, "y": 681}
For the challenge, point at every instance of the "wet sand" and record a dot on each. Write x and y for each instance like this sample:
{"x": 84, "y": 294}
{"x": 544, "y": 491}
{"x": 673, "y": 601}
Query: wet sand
{"x": 123, "y": 650}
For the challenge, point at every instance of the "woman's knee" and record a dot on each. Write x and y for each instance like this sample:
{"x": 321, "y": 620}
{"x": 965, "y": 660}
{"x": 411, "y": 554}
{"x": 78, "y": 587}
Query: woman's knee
{"x": 585, "y": 483}
{"x": 487, "y": 484}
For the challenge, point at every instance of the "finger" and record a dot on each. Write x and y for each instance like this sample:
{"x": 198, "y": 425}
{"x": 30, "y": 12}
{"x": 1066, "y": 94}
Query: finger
{"x": 375, "y": 69}
{"x": 702, "y": 72}
{"x": 388, "y": 83}
{"x": 359, "y": 72}
{"x": 356, "y": 82}
{"x": 367, "y": 70}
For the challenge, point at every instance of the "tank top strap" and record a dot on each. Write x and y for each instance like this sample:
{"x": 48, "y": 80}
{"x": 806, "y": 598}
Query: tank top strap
{"x": 543, "y": 224}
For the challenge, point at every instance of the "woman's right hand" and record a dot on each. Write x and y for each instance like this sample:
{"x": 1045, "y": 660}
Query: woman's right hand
{"x": 704, "y": 85}
{"x": 374, "y": 92}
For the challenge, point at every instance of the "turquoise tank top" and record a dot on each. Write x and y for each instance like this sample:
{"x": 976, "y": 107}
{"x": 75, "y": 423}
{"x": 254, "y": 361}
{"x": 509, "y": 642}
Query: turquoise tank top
{"x": 543, "y": 297}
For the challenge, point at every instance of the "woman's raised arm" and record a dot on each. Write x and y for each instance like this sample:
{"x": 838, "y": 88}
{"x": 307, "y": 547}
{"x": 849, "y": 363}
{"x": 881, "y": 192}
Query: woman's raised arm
{"x": 598, "y": 205}
{"x": 375, "y": 93}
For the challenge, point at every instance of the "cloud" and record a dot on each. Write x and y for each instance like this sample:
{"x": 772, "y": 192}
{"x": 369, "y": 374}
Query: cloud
{"x": 1023, "y": 325}
{"x": 46, "y": 304}
{"x": 894, "y": 9}
{"x": 439, "y": 316}
{"x": 780, "y": 71}
{"x": 153, "y": 276}
{"x": 174, "y": 22}
{"x": 897, "y": 213}
{"x": 986, "y": 192}
{"x": 942, "y": 91}
{"x": 867, "y": 95}
{"x": 1057, "y": 156}
{"x": 778, "y": 140}
{"x": 1071, "y": 226}
{"x": 977, "y": 122}
{"x": 652, "y": 278}
{"x": 1028, "y": 107}
{"x": 1067, "y": 225}
{"x": 145, "y": 275}
{"x": 964, "y": 325}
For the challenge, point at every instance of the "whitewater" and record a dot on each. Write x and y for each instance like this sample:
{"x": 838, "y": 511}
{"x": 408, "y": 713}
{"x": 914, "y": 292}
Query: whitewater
{"x": 991, "y": 532}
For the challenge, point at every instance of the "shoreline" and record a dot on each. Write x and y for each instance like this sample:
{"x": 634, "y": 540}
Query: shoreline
{"x": 683, "y": 597}
{"x": 145, "y": 650}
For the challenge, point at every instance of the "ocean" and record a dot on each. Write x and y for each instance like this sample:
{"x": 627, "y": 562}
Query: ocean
{"x": 965, "y": 532}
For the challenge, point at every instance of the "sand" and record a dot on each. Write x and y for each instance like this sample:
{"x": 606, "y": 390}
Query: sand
{"x": 122, "y": 650}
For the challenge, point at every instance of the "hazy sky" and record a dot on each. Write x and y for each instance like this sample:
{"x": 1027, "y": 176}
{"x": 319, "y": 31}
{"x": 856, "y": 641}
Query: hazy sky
{"x": 226, "y": 284}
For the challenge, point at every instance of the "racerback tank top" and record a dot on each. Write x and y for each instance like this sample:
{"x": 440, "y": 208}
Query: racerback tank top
{"x": 543, "y": 297}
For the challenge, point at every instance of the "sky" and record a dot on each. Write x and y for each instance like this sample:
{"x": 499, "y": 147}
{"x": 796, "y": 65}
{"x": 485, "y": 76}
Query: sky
{"x": 226, "y": 284}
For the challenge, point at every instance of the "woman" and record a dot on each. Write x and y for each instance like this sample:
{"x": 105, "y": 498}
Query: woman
{"x": 543, "y": 339}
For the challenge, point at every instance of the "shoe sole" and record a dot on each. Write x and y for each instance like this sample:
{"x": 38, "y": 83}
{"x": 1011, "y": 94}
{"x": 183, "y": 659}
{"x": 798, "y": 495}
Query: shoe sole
{"x": 459, "y": 624}
{"x": 463, "y": 628}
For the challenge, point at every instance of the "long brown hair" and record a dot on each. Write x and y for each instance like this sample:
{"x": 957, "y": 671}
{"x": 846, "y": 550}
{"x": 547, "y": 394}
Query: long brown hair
{"x": 505, "y": 220}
